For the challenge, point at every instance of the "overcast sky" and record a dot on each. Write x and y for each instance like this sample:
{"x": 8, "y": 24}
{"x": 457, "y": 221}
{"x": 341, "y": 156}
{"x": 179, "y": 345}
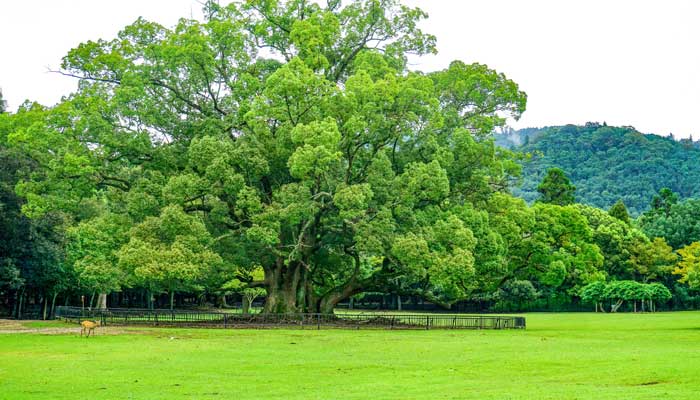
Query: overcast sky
{"x": 626, "y": 62}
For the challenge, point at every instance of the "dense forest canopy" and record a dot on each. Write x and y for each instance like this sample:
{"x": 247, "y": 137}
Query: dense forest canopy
{"x": 607, "y": 163}
{"x": 284, "y": 149}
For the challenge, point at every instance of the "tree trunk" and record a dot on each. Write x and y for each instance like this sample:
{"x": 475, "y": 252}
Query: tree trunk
{"x": 21, "y": 303}
{"x": 616, "y": 306}
{"x": 398, "y": 302}
{"x": 245, "y": 305}
{"x": 285, "y": 288}
{"x": 149, "y": 299}
{"x": 172, "y": 299}
{"x": 635, "y": 306}
{"x": 102, "y": 301}
{"x": 46, "y": 306}
{"x": 53, "y": 305}
{"x": 224, "y": 304}
{"x": 351, "y": 303}
{"x": 92, "y": 298}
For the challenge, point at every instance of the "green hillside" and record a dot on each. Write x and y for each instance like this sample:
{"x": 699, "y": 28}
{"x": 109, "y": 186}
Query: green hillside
{"x": 607, "y": 163}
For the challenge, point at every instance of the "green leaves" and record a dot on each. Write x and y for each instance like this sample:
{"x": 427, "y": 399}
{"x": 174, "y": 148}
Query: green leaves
{"x": 171, "y": 251}
{"x": 318, "y": 151}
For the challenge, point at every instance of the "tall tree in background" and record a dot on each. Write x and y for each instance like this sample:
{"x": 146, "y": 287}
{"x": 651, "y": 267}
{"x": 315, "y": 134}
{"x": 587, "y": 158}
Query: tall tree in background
{"x": 556, "y": 188}
{"x": 619, "y": 211}
{"x": 662, "y": 202}
{"x": 297, "y": 138}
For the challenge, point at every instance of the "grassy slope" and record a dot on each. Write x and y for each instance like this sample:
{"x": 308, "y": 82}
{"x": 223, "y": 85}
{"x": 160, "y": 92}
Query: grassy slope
{"x": 559, "y": 356}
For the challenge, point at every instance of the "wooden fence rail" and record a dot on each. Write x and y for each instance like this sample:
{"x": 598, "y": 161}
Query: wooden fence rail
{"x": 189, "y": 318}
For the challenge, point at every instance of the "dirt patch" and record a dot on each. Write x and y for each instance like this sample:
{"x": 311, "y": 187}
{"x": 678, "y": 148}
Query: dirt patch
{"x": 15, "y": 327}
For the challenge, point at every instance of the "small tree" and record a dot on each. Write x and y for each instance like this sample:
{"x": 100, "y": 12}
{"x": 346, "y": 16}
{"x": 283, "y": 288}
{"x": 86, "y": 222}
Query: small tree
{"x": 172, "y": 251}
{"x": 657, "y": 293}
{"x": 689, "y": 265}
{"x": 556, "y": 188}
{"x": 594, "y": 293}
{"x": 619, "y": 211}
{"x": 620, "y": 291}
{"x": 517, "y": 292}
{"x": 249, "y": 296}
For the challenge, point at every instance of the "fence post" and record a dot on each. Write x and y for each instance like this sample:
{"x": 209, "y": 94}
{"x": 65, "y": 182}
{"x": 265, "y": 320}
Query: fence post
{"x": 427, "y": 322}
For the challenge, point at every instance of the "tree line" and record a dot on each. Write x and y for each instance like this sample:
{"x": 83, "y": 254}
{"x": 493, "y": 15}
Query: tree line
{"x": 600, "y": 160}
{"x": 284, "y": 150}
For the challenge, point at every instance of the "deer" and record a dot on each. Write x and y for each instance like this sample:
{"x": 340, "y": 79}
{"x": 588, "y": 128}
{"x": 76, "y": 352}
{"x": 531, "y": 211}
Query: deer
{"x": 88, "y": 326}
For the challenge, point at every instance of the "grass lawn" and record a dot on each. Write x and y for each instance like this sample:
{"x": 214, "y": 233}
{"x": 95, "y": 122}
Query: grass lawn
{"x": 559, "y": 356}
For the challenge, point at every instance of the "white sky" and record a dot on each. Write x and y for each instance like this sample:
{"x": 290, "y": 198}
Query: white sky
{"x": 626, "y": 62}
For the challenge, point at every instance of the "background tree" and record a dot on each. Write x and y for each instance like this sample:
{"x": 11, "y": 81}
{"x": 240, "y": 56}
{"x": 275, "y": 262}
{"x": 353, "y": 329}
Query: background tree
{"x": 680, "y": 226}
{"x": 600, "y": 160}
{"x": 32, "y": 264}
{"x": 556, "y": 188}
{"x": 594, "y": 293}
{"x": 619, "y": 211}
{"x": 171, "y": 250}
{"x": 92, "y": 251}
{"x": 689, "y": 265}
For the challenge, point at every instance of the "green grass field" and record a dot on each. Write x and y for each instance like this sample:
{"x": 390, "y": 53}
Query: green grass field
{"x": 559, "y": 356}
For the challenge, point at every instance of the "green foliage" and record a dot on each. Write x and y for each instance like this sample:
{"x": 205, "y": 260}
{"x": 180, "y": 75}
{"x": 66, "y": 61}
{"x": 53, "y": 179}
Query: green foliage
{"x": 285, "y": 147}
{"x": 689, "y": 264}
{"x": 517, "y": 292}
{"x": 31, "y": 250}
{"x": 92, "y": 251}
{"x": 619, "y": 211}
{"x": 678, "y": 223}
{"x": 600, "y": 160}
{"x": 287, "y": 135}
{"x": 556, "y": 188}
{"x": 169, "y": 252}
{"x": 594, "y": 292}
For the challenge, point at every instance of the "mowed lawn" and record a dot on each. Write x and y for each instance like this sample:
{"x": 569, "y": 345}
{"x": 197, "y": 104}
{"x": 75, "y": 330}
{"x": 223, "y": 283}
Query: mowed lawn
{"x": 559, "y": 356}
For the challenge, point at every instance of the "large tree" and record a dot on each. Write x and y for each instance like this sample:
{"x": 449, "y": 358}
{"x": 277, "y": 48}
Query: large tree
{"x": 298, "y": 137}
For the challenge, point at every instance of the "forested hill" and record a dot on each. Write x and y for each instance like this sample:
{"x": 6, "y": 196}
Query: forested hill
{"x": 607, "y": 163}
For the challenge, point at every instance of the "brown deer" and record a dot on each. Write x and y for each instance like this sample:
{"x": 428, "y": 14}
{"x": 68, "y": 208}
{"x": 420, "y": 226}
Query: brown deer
{"x": 89, "y": 326}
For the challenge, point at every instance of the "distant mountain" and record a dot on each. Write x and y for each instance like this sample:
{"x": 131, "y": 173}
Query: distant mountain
{"x": 607, "y": 163}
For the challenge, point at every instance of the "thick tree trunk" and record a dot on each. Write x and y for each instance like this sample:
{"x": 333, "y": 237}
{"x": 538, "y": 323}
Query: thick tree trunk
{"x": 398, "y": 302}
{"x": 285, "y": 290}
{"x": 172, "y": 299}
{"x": 92, "y": 298}
{"x": 102, "y": 301}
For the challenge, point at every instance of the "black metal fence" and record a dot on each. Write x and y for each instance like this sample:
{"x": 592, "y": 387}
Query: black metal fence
{"x": 187, "y": 318}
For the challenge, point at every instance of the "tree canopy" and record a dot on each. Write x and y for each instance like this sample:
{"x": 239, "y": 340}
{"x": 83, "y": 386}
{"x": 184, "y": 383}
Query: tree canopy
{"x": 287, "y": 135}
{"x": 607, "y": 163}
